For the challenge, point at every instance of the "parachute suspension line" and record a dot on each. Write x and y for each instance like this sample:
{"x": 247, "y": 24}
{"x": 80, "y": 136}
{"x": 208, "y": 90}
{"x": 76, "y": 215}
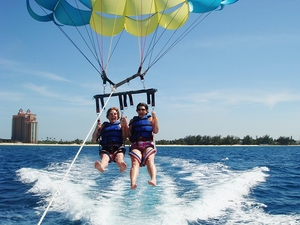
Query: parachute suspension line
{"x": 154, "y": 40}
{"x": 92, "y": 40}
{"x": 110, "y": 52}
{"x": 100, "y": 50}
{"x": 90, "y": 36}
{"x": 193, "y": 25}
{"x": 99, "y": 45}
{"x": 111, "y": 42}
{"x": 150, "y": 52}
{"x": 74, "y": 44}
{"x": 103, "y": 74}
{"x": 139, "y": 37}
{"x": 146, "y": 34}
{"x": 104, "y": 66}
{"x": 178, "y": 39}
{"x": 184, "y": 34}
{"x": 164, "y": 50}
{"x": 76, "y": 156}
{"x": 142, "y": 40}
{"x": 79, "y": 49}
{"x": 93, "y": 51}
{"x": 115, "y": 46}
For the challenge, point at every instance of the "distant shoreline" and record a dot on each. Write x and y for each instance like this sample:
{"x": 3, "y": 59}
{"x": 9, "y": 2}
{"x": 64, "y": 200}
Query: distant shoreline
{"x": 96, "y": 145}
{"x": 32, "y": 144}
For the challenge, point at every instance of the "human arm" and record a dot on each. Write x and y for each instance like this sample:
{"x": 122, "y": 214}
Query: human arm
{"x": 97, "y": 131}
{"x": 154, "y": 123}
{"x": 124, "y": 126}
{"x": 130, "y": 129}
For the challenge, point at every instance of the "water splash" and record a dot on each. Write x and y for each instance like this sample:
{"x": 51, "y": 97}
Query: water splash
{"x": 187, "y": 193}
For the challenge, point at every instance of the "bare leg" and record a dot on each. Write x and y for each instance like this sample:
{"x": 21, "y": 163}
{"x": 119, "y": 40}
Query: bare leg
{"x": 134, "y": 172}
{"x": 151, "y": 170}
{"x": 120, "y": 162}
{"x": 103, "y": 164}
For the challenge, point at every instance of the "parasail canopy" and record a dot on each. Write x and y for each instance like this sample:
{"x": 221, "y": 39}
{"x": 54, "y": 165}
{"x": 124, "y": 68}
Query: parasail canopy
{"x": 137, "y": 17}
{"x": 143, "y": 19}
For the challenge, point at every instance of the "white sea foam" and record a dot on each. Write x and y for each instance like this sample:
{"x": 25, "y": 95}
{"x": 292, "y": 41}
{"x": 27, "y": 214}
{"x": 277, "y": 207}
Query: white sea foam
{"x": 186, "y": 191}
{"x": 224, "y": 195}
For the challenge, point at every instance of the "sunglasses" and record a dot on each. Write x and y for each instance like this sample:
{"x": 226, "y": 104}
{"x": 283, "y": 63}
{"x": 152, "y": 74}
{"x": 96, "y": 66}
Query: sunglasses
{"x": 141, "y": 109}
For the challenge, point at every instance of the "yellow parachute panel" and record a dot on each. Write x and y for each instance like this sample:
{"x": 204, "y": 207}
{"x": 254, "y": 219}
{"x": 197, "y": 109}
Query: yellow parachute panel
{"x": 138, "y": 17}
{"x": 113, "y": 7}
{"x": 140, "y": 7}
{"x": 162, "y": 5}
{"x": 141, "y": 27}
{"x": 175, "y": 19}
{"x": 106, "y": 26}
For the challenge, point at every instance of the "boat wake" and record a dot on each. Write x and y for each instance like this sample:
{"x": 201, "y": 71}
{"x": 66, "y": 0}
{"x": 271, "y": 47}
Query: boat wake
{"x": 188, "y": 192}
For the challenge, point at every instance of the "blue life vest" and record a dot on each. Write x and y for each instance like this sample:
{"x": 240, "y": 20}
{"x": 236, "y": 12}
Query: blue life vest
{"x": 111, "y": 133}
{"x": 141, "y": 129}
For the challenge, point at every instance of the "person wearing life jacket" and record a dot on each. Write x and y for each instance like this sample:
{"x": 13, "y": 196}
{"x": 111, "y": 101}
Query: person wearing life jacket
{"x": 142, "y": 151}
{"x": 111, "y": 136}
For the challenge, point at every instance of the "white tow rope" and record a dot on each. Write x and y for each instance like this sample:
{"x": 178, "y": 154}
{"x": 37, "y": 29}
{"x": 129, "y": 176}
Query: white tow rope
{"x": 58, "y": 189}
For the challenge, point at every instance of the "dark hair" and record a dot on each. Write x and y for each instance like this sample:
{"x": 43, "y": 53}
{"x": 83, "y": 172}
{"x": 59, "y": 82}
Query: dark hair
{"x": 113, "y": 108}
{"x": 142, "y": 104}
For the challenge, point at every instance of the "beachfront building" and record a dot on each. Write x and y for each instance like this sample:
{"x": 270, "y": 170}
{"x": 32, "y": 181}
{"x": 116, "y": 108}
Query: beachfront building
{"x": 24, "y": 127}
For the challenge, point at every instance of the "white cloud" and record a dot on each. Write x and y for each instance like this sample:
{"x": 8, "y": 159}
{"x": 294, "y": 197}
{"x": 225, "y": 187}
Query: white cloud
{"x": 41, "y": 90}
{"x": 70, "y": 99}
{"x": 48, "y": 75}
{"x": 235, "y": 97}
{"x": 20, "y": 68}
{"x": 8, "y": 62}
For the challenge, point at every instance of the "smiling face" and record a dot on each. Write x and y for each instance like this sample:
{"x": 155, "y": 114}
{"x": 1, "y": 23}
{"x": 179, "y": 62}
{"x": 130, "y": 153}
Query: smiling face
{"x": 113, "y": 115}
{"x": 142, "y": 109}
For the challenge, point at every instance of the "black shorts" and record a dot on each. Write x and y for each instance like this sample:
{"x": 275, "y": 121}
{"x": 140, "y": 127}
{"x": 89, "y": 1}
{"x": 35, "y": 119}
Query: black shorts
{"x": 112, "y": 151}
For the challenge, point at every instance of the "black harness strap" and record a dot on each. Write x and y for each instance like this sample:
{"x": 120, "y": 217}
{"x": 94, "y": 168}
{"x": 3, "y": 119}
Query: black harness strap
{"x": 123, "y": 98}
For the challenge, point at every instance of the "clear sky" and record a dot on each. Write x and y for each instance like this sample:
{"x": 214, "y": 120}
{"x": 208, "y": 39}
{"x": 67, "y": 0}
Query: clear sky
{"x": 237, "y": 73}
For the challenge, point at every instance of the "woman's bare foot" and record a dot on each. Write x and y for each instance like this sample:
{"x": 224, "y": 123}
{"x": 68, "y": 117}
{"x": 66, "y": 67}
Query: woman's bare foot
{"x": 133, "y": 186}
{"x": 123, "y": 167}
{"x": 152, "y": 182}
{"x": 99, "y": 166}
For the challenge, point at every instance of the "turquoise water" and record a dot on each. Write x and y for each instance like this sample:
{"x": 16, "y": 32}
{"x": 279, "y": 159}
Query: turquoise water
{"x": 196, "y": 185}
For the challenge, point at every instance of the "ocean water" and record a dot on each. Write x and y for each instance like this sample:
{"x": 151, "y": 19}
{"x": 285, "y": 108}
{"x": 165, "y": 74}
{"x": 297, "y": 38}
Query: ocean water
{"x": 195, "y": 185}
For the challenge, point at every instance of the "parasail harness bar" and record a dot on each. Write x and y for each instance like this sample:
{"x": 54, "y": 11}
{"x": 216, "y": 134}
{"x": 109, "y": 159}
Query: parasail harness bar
{"x": 105, "y": 79}
{"x": 138, "y": 74}
{"x": 123, "y": 98}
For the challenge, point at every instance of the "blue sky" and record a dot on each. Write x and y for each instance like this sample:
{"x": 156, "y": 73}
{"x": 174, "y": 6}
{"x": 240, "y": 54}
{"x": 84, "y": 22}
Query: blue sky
{"x": 236, "y": 74}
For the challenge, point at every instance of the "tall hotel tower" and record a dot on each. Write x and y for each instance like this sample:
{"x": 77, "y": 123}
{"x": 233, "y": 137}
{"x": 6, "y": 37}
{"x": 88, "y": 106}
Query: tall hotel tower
{"x": 24, "y": 127}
